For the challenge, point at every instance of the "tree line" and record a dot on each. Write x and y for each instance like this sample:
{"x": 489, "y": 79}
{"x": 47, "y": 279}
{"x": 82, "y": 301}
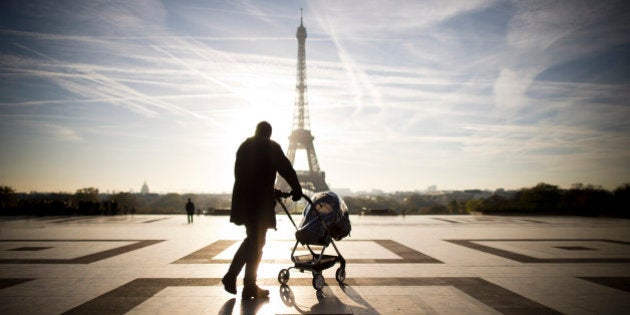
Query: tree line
{"x": 541, "y": 199}
{"x": 545, "y": 198}
{"x": 89, "y": 201}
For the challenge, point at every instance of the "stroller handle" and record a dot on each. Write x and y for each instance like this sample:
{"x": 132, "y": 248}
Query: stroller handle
{"x": 282, "y": 194}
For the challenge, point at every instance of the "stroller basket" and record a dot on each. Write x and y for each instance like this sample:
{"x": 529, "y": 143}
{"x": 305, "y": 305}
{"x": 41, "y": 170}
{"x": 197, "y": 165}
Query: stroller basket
{"x": 325, "y": 219}
{"x": 309, "y": 261}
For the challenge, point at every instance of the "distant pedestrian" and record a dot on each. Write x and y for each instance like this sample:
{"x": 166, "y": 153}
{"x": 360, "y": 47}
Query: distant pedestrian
{"x": 190, "y": 210}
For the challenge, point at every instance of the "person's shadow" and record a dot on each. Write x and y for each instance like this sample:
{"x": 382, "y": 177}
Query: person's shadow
{"x": 248, "y": 306}
{"x": 327, "y": 303}
{"x": 227, "y": 307}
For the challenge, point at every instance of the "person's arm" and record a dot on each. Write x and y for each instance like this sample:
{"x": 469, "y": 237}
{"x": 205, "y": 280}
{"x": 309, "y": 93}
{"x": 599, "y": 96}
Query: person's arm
{"x": 285, "y": 169}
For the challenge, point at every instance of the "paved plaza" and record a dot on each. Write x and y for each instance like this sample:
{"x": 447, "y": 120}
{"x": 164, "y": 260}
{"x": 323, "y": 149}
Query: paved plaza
{"x": 152, "y": 264}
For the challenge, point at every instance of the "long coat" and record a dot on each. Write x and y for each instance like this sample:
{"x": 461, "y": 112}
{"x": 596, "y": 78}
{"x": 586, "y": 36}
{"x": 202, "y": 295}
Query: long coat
{"x": 190, "y": 207}
{"x": 258, "y": 159}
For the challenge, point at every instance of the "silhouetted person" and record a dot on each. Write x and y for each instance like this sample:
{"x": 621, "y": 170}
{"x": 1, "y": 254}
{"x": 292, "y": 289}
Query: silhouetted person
{"x": 190, "y": 210}
{"x": 258, "y": 159}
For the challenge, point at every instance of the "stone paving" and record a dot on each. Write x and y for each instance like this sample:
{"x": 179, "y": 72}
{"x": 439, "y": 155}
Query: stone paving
{"x": 152, "y": 264}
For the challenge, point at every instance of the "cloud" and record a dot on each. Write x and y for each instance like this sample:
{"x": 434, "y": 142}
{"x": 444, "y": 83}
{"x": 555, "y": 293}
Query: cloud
{"x": 52, "y": 131}
{"x": 511, "y": 86}
{"x": 374, "y": 18}
{"x": 537, "y": 25}
{"x": 110, "y": 83}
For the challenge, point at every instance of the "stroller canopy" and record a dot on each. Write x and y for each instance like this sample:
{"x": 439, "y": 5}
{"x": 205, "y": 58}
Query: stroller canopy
{"x": 327, "y": 218}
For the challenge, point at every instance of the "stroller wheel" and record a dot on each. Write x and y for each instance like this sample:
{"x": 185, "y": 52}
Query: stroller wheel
{"x": 340, "y": 275}
{"x": 318, "y": 281}
{"x": 283, "y": 276}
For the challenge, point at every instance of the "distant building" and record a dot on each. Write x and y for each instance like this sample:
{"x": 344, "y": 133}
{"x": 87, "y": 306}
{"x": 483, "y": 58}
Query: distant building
{"x": 343, "y": 191}
{"x": 432, "y": 188}
{"x": 145, "y": 189}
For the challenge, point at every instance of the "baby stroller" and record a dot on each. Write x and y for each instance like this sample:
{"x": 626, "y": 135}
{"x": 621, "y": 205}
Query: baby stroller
{"x": 325, "y": 219}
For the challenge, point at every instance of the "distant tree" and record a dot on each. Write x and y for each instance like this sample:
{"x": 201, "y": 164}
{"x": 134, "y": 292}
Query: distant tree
{"x": 457, "y": 206}
{"x": 8, "y": 198}
{"x": 126, "y": 201}
{"x": 354, "y": 204}
{"x": 416, "y": 202}
{"x": 496, "y": 203}
{"x": 87, "y": 200}
{"x": 622, "y": 200}
{"x": 434, "y": 209}
{"x": 171, "y": 202}
{"x": 86, "y": 194}
{"x": 385, "y": 202}
{"x": 473, "y": 205}
{"x": 453, "y": 207}
{"x": 144, "y": 203}
{"x": 540, "y": 198}
{"x": 587, "y": 200}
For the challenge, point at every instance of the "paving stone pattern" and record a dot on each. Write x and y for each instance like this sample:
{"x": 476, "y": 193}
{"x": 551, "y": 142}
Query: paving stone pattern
{"x": 150, "y": 264}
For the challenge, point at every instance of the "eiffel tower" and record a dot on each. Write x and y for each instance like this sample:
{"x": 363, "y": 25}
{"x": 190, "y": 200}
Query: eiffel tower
{"x": 301, "y": 138}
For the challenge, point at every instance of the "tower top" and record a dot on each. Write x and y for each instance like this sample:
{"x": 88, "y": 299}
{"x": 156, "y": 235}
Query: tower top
{"x": 301, "y": 31}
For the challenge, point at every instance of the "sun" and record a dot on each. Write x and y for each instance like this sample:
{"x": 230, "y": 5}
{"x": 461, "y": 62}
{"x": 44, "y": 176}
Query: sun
{"x": 242, "y": 122}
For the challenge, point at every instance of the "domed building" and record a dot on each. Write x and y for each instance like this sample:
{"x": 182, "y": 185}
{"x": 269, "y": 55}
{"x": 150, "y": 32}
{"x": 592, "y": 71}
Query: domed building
{"x": 145, "y": 189}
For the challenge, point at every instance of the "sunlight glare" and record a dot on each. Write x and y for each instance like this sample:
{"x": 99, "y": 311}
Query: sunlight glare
{"x": 301, "y": 160}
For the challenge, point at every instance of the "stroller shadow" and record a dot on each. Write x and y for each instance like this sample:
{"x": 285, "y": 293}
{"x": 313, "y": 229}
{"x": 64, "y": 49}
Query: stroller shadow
{"x": 327, "y": 303}
{"x": 357, "y": 298}
{"x": 248, "y": 306}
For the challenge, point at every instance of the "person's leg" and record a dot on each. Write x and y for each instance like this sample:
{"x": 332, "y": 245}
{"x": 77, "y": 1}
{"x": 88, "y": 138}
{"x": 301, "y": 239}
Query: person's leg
{"x": 240, "y": 257}
{"x": 257, "y": 237}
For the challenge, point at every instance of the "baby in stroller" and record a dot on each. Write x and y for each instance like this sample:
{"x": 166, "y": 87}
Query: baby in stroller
{"x": 324, "y": 220}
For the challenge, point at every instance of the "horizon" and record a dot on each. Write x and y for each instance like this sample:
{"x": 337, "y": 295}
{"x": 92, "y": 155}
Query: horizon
{"x": 402, "y": 96}
{"x": 341, "y": 190}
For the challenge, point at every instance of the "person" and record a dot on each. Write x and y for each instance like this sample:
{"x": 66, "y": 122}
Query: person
{"x": 190, "y": 210}
{"x": 258, "y": 159}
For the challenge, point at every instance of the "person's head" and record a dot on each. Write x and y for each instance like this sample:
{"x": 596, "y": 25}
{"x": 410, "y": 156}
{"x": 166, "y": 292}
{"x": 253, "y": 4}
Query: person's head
{"x": 263, "y": 129}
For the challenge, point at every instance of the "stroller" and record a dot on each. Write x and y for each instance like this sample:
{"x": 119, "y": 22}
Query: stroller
{"x": 324, "y": 218}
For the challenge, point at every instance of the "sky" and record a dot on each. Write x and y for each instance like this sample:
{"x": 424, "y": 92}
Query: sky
{"x": 402, "y": 95}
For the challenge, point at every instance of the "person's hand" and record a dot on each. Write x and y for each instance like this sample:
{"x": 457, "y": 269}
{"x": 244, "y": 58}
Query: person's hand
{"x": 296, "y": 195}
{"x": 281, "y": 194}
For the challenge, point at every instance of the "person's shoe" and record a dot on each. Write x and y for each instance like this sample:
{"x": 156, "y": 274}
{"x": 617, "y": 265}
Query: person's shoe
{"x": 229, "y": 284}
{"x": 255, "y": 292}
